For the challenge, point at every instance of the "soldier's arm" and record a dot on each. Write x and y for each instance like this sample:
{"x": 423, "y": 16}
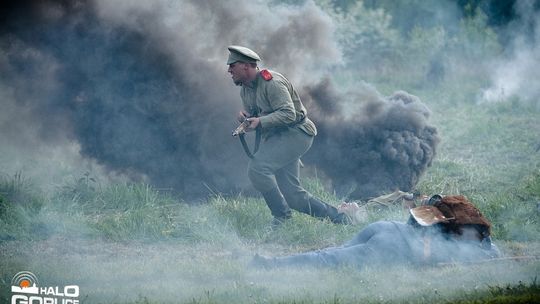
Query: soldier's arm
{"x": 282, "y": 104}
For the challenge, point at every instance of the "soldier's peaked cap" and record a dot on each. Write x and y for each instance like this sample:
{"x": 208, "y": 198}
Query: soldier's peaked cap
{"x": 243, "y": 54}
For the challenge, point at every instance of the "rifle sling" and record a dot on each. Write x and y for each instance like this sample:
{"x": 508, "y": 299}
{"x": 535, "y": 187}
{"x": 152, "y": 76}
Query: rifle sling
{"x": 257, "y": 142}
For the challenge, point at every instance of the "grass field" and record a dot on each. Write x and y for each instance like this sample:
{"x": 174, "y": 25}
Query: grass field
{"x": 130, "y": 243}
{"x": 127, "y": 242}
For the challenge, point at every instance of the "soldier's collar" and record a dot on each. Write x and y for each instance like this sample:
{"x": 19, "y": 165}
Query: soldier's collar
{"x": 253, "y": 84}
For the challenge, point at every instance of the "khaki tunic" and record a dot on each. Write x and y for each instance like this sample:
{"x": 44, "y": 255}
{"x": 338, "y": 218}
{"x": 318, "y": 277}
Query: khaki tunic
{"x": 277, "y": 104}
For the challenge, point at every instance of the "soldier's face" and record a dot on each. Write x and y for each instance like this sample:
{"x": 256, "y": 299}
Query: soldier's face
{"x": 239, "y": 72}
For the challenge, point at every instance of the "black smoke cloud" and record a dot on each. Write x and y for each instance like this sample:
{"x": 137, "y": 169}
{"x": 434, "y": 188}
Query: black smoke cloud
{"x": 371, "y": 143}
{"x": 114, "y": 91}
{"x": 142, "y": 89}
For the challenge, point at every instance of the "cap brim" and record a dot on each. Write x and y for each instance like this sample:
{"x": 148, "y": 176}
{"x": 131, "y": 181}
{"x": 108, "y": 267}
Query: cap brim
{"x": 428, "y": 215}
{"x": 235, "y": 56}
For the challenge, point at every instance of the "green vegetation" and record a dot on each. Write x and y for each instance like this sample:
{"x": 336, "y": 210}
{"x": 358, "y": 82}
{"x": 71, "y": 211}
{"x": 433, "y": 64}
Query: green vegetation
{"x": 131, "y": 243}
{"x": 20, "y": 207}
{"x": 205, "y": 248}
{"x": 520, "y": 294}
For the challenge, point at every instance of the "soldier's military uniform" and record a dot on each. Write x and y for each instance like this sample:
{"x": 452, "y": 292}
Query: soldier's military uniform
{"x": 449, "y": 229}
{"x": 287, "y": 133}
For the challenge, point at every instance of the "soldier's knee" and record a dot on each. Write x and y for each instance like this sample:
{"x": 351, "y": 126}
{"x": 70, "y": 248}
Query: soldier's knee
{"x": 260, "y": 175}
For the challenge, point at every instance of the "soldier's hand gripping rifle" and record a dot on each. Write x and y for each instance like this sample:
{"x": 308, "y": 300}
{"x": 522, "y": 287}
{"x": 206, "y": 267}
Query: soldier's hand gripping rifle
{"x": 241, "y": 130}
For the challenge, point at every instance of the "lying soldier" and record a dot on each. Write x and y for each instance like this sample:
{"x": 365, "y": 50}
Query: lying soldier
{"x": 446, "y": 229}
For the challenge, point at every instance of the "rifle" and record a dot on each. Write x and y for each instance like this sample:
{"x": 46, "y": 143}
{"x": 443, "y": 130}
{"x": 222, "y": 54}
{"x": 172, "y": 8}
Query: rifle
{"x": 240, "y": 131}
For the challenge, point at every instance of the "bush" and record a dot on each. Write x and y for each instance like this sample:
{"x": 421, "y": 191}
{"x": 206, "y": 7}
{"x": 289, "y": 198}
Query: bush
{"x": 366, "y": 35}
{"x": 20, "y": 207}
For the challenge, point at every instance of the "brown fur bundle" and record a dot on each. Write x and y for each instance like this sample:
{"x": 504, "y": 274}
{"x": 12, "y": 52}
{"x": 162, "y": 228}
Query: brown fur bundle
{"x": 463, "y": 212}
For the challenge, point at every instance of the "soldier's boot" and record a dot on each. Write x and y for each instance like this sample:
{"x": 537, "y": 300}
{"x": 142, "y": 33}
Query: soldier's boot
{"x": 320, "y": 209}
{"x": 278, "y": 206}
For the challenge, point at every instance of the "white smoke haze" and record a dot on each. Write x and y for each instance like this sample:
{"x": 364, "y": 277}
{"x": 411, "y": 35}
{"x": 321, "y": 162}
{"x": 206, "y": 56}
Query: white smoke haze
{"x": 516, "y": 75}
{"x": 166, "y": 272}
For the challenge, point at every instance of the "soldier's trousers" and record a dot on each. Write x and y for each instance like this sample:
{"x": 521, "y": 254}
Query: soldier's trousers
{"x": 277, "y": 166}
{"x": 388, "y": 242}
{"x": 383, "y": 242}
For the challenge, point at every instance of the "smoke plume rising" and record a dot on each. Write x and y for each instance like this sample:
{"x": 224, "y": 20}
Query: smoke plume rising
{"x": 142, "y": 90}
{"x": 377, "y": 144}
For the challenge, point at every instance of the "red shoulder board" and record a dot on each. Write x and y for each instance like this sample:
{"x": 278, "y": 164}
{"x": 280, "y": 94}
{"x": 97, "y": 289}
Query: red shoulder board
{"x": 266, "y": 75}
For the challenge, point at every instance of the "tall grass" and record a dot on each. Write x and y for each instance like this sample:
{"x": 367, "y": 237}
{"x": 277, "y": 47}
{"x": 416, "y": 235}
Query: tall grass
{"x": 209, "y": 244}
{"x": 138, "y": 211}
{"x": 20, "y": 206}
{"x": 488, "y": 153}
